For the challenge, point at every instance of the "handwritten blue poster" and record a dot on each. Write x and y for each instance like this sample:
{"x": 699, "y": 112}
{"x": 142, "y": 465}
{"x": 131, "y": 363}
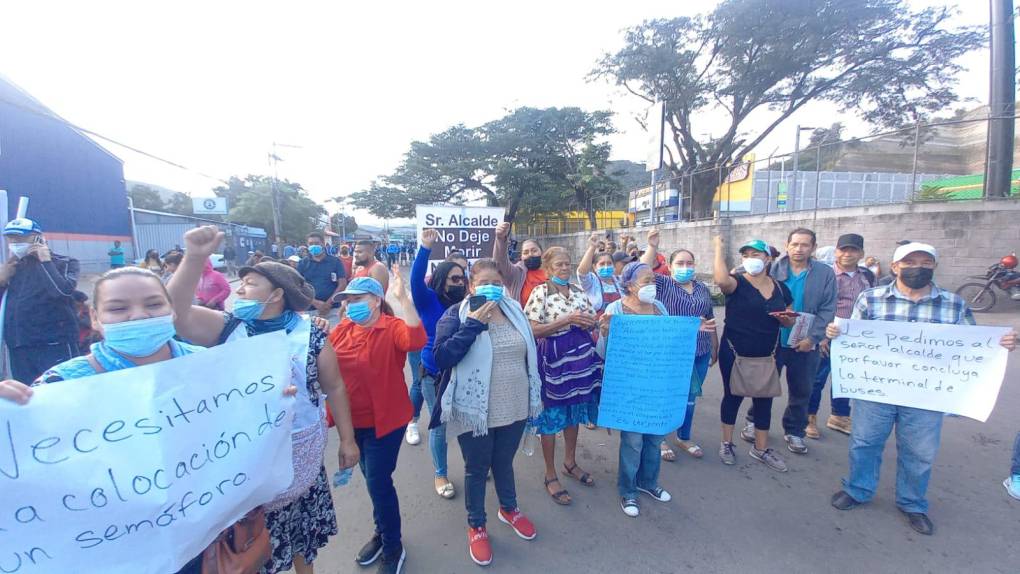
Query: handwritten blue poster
{"x": 648, "y": 372}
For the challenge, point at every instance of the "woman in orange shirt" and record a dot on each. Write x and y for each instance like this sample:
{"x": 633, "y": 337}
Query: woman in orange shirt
{"x": 371, "y": 346}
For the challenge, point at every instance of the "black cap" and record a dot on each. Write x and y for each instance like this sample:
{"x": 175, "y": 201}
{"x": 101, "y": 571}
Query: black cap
{"x": 623, "y": 257}
{"x": 850, "y": 240}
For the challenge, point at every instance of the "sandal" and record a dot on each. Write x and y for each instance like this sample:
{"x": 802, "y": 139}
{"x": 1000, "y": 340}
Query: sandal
{"x": 446, "y": 491}
{"x": 590, "y": 426}
{"x": 691, "y": 448}
{"x": 667, "y": 453}
{"x": 561, "y": 497}
{"x": 584, "y": 479}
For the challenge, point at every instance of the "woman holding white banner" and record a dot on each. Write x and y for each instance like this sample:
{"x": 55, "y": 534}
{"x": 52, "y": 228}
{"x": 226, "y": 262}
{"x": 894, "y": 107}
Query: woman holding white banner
{"x": 270, "y": 298}
{"x": 131, "y": 309}
{"x": 639, "y": 453}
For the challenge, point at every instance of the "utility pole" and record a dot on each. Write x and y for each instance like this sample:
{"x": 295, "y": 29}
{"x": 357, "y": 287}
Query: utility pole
{"x": 275, "y": 195}
{"x": 1001, "y": 101}
{"x": 796, "y": 167}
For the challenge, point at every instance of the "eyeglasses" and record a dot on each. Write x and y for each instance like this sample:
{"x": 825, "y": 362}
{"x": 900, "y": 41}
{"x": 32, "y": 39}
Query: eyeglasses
{"x": 456, "y": 279}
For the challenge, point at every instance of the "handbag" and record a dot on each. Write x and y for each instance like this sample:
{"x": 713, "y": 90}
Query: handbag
{"x": 243, "y": 548}
{"x": 754, "y": 377}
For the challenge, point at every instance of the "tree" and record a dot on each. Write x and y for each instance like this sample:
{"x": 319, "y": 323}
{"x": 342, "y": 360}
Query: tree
{"x": 343, "y": 223}
{"x": 758, "y": 60}
{"x": 253, "y": 205}
{"x": 552, "y": 157}
{"x": 144, "y": 197}
{"x": 181, "y": 204}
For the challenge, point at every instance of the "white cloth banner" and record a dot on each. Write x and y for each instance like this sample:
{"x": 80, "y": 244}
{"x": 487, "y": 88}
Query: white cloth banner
{"x": 948, "y": 368}
{"x": 137, "y": 471}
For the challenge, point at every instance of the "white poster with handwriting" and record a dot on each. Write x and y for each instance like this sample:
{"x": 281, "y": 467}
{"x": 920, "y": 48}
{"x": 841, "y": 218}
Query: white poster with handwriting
{"x": 137, "y": 471}
{"x": 948, "y": 368}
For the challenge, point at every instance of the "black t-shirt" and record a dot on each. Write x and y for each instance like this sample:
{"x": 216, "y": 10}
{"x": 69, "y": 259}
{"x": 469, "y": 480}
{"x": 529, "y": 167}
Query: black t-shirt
{"x": 748, "y": 325}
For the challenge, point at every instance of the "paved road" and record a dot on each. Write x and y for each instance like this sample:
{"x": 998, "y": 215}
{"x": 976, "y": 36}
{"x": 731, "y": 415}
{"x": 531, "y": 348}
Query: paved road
{"x": 722, "y": 519}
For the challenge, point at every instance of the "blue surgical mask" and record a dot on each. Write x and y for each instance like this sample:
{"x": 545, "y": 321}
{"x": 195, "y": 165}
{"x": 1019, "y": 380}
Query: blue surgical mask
{"x": 560, "y": 282}
{"x": 683, "y": 274}
{"x": 605, "y": 272}
{"x": 490, "y": 292}
{"x": 315, "y": 250}
{"x": 249, "y": 309}
{"x": 139, "y": 338}
{"x": 359, "y": 312}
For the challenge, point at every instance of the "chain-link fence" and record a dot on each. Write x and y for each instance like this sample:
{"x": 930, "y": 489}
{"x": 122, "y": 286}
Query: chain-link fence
{"x": 936, "y": 161}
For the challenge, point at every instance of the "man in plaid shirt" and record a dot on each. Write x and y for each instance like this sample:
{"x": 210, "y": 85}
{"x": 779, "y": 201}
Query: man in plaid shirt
{"x": 913, "y": 298}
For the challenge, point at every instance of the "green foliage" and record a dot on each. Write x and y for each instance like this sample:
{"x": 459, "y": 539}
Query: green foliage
{"x": 531, "y": 161}
{"x": 342, "y": 223}
{"x": 144, "y": 197}
{"x": 251, "y": 203}
{"x": 757, "y": 61}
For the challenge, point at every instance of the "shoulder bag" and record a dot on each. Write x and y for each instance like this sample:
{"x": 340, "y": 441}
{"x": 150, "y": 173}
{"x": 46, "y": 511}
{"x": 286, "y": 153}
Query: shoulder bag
{"x": 755, "y": 377}
{"x": 243, "y": 548}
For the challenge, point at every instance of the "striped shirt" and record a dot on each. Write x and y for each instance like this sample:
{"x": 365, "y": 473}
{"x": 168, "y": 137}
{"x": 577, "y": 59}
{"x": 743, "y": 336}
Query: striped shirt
{"x": 887, "y": 303}
{"x": 849, "y": 285}
{"x": 680, "y": 303}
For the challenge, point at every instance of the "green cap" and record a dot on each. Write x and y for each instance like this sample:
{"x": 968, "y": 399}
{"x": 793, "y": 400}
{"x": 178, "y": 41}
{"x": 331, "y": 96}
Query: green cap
{"x": 756, "y": 244}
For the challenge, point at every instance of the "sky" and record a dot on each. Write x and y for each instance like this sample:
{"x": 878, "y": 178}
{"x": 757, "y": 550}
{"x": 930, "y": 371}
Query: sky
{"x": 211, "y": 85}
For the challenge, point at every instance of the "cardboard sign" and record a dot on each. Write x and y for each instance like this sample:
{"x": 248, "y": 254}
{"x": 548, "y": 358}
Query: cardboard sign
{"x": 138, "y": 470}
{"x": 471, "y": 230}
{"x": 948, "y": 368}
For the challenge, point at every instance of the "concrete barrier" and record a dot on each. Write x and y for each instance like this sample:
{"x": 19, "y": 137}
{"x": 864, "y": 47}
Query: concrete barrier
{"x": 970, "y": 235}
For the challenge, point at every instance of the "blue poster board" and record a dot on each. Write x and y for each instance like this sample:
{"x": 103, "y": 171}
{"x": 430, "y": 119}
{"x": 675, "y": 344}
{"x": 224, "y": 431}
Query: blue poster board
{"x": 647, "y": 376}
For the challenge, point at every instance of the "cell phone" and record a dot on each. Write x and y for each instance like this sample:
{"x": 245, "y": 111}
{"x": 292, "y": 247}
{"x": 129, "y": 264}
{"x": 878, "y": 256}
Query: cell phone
{"x": 475, "y": 302}
{"x": 784, "y": 314}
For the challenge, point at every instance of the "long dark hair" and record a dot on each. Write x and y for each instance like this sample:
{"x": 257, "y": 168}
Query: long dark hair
{"x": 438, "y": 282}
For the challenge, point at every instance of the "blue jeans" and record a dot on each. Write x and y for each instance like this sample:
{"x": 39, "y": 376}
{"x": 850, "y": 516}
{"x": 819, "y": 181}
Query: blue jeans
{"x": 437, "y": 436}
{"x": 639, "y": 462}
{"x": 1016, "y": 455}
{"x": 918, "y": 435}
{"x": 701, "y": 367}
{"x": 378, "y": 461}
{"x": 414, "y": 361}
{"x": 839, "y": 407}
{"x": 495, "y": 451}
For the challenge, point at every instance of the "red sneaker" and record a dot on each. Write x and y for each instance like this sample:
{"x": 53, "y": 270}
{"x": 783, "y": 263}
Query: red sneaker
{"x": 479, "y": 547}
{"x": 520, "y": 523}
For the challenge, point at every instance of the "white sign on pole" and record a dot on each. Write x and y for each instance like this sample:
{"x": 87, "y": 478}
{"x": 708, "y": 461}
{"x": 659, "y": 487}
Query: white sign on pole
{"x": 656, "y": 119}
{"x": 469, "y": 229}
{"x": 947, "y": 368}
{"x": 209, "y": 205}
{"x": 137, "y": 471}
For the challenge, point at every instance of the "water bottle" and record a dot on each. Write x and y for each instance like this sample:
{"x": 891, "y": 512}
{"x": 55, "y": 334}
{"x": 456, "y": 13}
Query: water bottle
{"x": 530, "y": 438}
{"x": 342, "y": 477}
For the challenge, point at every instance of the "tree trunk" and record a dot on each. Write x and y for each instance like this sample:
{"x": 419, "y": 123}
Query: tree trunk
{"x": 513, "y": 205}
{"x": 704, "y": 184}
{"x": 581, "y": 196}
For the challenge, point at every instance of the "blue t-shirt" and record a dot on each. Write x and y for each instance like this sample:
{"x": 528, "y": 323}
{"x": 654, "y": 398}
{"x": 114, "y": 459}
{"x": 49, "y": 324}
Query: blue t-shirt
{"x": 795, "y": 283}
{"x": 323, "y": 276}
{"x": 116, "y": 256}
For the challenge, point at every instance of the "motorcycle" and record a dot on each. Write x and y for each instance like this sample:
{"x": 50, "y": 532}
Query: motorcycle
{"x": 981, "y": 296}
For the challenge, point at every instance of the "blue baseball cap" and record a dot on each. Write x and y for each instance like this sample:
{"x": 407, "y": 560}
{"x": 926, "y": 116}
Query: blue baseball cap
{"x": 363, "y": 285}
{"x": 21, "y": 226}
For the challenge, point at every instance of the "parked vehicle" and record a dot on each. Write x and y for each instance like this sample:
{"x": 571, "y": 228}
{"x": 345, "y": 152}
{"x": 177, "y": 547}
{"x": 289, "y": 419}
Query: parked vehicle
{"x": 981, "y": 295}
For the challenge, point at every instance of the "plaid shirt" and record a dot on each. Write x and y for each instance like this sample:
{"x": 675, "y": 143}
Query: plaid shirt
{"x": 849, "y": 286}
{"x": 887, "y": 303}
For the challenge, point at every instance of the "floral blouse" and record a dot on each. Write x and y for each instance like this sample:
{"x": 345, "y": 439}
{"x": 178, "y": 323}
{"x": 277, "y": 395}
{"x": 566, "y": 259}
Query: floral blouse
{"x": 544, "y": 307}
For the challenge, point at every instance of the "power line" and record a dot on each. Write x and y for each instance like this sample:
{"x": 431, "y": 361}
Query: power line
{"x": 50, "y": 115}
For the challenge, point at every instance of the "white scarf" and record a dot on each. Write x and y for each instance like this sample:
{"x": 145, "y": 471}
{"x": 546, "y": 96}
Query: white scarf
{"x": 466, "y": 400}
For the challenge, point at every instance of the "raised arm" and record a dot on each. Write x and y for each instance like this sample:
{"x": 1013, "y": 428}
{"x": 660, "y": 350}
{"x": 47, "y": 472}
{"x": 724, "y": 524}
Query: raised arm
{"x": 404, "y": 298}
{"x": 727, "y": 284}
{"x": 652, "y": 250}
{"x": 420, "y": 292}
{"x": 584, "y": 266}
{"x": 511, "y": 273}
{"x": 196, "y": 324}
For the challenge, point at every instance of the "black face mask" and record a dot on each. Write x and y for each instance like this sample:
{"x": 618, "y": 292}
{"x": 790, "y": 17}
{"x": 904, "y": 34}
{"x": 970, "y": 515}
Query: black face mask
{"x": 455, "y": 293}
{"x": 533, "y": 262}
{"x": 916, "y": 277}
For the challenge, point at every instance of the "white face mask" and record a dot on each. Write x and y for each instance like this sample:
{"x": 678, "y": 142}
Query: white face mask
{"x": 647, "y": 293}
{"x": 873, "y": 269}
{"x": 754, "y": 266}
{"x": 20, "y": 250}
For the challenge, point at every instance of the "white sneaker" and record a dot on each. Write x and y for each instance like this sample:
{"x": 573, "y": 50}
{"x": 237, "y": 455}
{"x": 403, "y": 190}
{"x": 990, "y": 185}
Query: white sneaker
{"x": 630, "y": 507}
{"x": 747, "y": 433}
{"x": 411, "y": 435}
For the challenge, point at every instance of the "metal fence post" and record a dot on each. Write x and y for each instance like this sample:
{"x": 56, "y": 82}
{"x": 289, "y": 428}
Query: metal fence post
{"x": 768, "y": 186}
{"x": 913, "y": 169}
{"x": 818, "y": 178}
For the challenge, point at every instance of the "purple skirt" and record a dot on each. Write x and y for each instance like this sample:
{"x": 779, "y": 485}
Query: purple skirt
{"x": 571, "y": 370}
